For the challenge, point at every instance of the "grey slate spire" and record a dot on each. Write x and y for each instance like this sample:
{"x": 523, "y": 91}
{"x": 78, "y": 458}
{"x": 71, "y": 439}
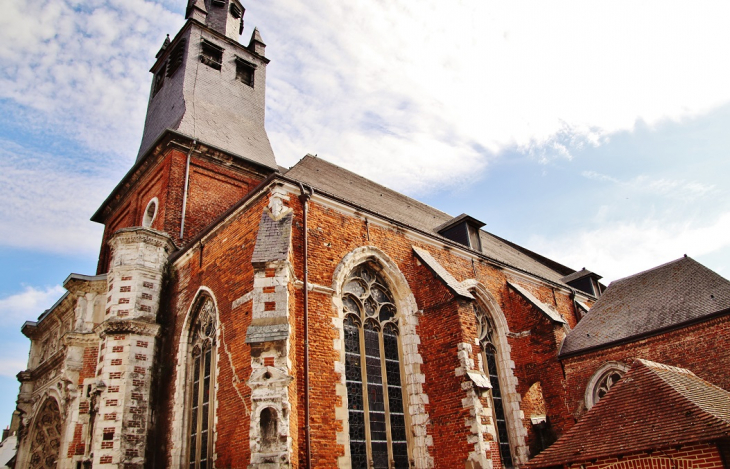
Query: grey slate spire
{"x": 210, "y": 87}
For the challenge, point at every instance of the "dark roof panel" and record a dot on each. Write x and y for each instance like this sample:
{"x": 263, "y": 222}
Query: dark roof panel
{"x": 333, "y": 180}
{"x": 665, "y": 296}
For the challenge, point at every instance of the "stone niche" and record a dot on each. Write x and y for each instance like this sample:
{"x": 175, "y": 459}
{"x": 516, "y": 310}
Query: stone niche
{"x": 269, "y": 433}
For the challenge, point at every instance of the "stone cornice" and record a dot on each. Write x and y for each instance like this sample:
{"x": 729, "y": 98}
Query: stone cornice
{"x": 52, "y": 362}
{"x": 80, "y": 339}
{"x": 149, "y": 236}
{"x": 122, "y": 326}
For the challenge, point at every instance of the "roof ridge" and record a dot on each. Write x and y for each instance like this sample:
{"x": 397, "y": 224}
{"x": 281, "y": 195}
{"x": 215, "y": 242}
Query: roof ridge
{"x": 660, "y": 266}
{"x": 662, "y": 366}
{"x": 692, "y": 400}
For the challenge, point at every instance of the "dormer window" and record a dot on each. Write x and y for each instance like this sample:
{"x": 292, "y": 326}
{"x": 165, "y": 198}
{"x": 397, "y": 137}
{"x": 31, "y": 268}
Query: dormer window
{"x": 464, "y": 230}
{"x": 585, "y": 281}
{"x": 211, "y": 54}
{"x": 245, "y": 71}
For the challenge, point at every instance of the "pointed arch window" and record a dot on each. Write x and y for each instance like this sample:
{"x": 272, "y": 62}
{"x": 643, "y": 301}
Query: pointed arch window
{"x": 46, "y": 439}
{"x": 373, "y": 373}
{"x": 486, "y": 334}
{"x": 202, "y": 386}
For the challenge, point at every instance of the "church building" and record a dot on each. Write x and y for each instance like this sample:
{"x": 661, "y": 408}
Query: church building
{"x": 246, "y": 315}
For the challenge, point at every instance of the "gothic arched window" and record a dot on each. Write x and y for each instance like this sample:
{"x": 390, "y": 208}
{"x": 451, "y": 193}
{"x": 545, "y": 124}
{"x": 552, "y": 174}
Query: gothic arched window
{"x": 486, "y": 334}
{"x": 46, "y": 438}
{"x": 201, "y": 386}
{"x": 373, "y": 373}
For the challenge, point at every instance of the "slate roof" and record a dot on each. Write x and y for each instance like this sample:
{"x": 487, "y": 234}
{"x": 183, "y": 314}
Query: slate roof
{"x": 653, "y": 406}
{"x": 660, "y": 298}
{"x": 579, "y": 274}
{"x": 547, "y": 310}
{"x": 273, "y": 239}
{"x": 445, "y": 276}
{"x": 331, "y": 179}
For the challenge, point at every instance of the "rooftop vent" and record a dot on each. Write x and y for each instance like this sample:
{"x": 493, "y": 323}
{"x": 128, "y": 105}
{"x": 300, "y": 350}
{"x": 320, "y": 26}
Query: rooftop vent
{"x": 464, "y": 230}
{"x": 585, "y": 281}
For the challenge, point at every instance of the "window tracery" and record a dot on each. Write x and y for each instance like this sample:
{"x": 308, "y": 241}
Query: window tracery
{"x": 378, "y": 437}
{"x": 602, "y": 382}
{"x": 202, "y": 387}
{"x": 486, "y": 335}
{"x": 46, "y": 438}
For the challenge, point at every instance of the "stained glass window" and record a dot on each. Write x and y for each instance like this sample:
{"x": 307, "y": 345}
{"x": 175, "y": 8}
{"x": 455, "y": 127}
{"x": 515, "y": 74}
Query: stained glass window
{"x": 202, "y": 385}
{"x": 485, "y": 330}
{"x": 373, "y": 374}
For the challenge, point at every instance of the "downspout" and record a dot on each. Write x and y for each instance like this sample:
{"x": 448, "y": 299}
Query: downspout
{"x": 304, "y": 199}
{"x": 185, "y": 189}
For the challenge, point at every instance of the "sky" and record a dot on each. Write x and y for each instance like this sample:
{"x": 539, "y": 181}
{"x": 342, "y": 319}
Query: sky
{"x": 592, "y": 132}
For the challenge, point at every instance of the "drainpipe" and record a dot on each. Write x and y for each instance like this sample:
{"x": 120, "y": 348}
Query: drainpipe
{"x": 304, "y": 199}
{"x": 185, "y": 189}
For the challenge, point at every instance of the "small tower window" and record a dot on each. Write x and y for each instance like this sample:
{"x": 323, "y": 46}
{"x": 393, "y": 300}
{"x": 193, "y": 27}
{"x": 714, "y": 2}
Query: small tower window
{"x": 159, "y": 79}
{"x": 150, "y": 213}
{"x": 176, "y": 57}
{"x": 211, "y": 54}
{"x": 245, "y": 71}
{"x": 236, "y": 11}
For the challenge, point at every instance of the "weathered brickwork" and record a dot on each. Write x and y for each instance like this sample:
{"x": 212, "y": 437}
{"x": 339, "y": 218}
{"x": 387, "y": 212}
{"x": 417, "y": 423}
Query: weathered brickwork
{"x": 222, "y": 266}
{"x": 685, "y": 348}
{"x": 450, "y": 433}
{"x": 693, "y": 456}
{"x": 214, "y": 186}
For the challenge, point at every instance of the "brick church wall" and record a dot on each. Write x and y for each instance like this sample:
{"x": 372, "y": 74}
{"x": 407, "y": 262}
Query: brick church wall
{"x": 213, "y": 189}
{"x": 443, "y": 325}
{"x": 688, "y": 348}
{"x": 222, "y": 265}
{"x": 692, "y": 456}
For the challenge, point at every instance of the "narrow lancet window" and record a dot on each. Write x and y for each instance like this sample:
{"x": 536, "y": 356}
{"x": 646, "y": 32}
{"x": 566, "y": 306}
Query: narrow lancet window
{"x": 202, "y": 386}
{"x": 373, "y": 373}
{"x": 486, "y": 334}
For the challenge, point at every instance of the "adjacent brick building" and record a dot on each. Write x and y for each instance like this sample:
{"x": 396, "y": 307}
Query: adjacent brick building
{"x": 657, "y": 416}
{"x": 248, "y": 315}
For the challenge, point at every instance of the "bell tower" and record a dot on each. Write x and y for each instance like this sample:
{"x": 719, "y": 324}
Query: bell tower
{"x": 204, "y": 145}
{"x": 210, "y": 87}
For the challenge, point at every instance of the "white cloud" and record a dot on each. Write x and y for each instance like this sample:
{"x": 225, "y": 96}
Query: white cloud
{"x": 625, "y": 248}
{"x": 47, "y": 202}
{"x": 677, "y": 189}
{"x": 29, "y": 303}
{"x": 543, "y": 77}
{"x": 396, "y": 89}
{"x": 82, "y": 66}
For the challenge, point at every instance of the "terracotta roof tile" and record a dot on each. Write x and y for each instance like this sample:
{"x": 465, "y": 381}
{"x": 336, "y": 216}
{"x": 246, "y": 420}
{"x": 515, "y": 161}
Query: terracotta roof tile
{"x": 653, "y": 406}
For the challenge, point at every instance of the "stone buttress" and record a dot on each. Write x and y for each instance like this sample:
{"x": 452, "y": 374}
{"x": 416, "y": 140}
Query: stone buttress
{"x": 270, "y": 338}
{"x": 128, "y": 345}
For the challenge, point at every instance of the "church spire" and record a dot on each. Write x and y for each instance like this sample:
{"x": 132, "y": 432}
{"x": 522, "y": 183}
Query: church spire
{"x": 210, "y": 87}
